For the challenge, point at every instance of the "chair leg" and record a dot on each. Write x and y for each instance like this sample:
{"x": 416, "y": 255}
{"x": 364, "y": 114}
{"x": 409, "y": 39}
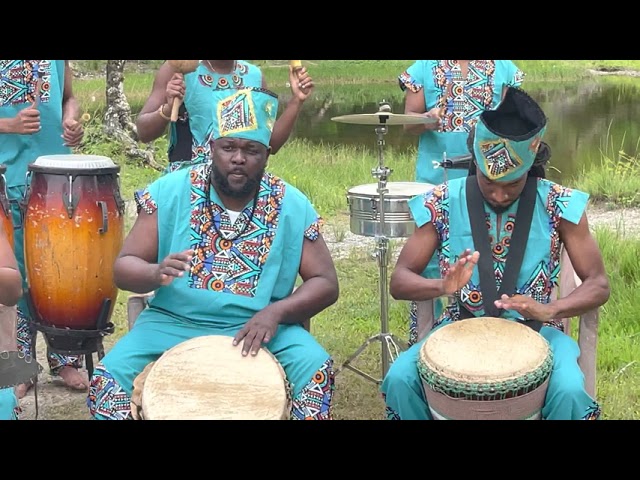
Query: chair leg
{"x": 588, "y": 326}
{"x": 425, "y": 317}
{"x": 568, "y": 284}
{"x": 135, "y": 305}
{"x": 588, "y": 343}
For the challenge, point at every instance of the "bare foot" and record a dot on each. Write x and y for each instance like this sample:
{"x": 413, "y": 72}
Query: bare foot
{"x": 74, "y": 379}
{"x": 22, "y": 389}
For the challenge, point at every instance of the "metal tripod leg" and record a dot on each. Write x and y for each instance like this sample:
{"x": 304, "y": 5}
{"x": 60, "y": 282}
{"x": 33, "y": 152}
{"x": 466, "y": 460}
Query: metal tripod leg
{"x": 391, "y": 348}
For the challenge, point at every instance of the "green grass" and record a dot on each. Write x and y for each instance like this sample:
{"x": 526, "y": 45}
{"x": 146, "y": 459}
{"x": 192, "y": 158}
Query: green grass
{"x": 615, "y": 178}
{"x": 618, "y": 373}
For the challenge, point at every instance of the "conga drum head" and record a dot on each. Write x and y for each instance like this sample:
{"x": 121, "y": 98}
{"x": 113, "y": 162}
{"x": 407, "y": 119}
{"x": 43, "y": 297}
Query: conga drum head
{"x": 207, "y": 378}
{"x": 74, "y": 164}
{"x": 485, "y": 359}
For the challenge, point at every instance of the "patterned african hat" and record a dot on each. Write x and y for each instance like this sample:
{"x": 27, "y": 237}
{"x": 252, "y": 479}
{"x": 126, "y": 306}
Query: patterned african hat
{"x": 247, "y": 112}
{"x": 507, "y": 139}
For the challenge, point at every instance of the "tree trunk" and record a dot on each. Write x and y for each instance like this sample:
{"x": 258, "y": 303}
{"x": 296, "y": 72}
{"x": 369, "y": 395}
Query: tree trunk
{"x": 117, "y": 119}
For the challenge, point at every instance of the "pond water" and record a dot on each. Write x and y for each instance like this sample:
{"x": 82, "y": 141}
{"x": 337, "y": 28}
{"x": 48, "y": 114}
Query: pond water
{"x": 586, "y": 118}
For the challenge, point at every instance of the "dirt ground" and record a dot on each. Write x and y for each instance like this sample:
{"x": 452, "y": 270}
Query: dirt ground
{"x": 56, "y": 402}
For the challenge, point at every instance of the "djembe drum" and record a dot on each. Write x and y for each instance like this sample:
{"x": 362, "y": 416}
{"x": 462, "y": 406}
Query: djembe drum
{"x": 485, "y": 368}
{"x": 7, "y": 219}
{"x": 73, "y": 232}
{"x": 207, "y": 378}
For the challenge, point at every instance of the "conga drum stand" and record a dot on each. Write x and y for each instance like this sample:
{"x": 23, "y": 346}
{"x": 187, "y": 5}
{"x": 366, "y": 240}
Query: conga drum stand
{"x": 72, "y": 342}
{"x": 392, "y": 346}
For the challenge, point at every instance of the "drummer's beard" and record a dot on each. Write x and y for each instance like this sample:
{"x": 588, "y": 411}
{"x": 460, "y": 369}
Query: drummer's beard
{"x": 499, "y": 210}
{"x": 249, "y": 189}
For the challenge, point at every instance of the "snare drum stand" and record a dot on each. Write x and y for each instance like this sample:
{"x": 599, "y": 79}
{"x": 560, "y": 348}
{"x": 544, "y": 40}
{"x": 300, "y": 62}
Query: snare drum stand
{"x": 391, "y": 345}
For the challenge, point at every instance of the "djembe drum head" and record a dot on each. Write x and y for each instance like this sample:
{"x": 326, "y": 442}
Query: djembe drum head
{"x": 485, "y": 368}
{"x": 207, "y": 378}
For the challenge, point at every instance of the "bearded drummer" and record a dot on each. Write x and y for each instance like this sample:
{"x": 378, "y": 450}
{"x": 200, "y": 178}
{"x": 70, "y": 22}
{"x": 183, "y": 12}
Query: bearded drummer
{"x": 508, "y": 211}
{"x": 222, "y": 243}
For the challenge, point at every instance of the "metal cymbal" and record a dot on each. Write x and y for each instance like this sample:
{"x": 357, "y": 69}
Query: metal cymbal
{"x": 384, "y": 118}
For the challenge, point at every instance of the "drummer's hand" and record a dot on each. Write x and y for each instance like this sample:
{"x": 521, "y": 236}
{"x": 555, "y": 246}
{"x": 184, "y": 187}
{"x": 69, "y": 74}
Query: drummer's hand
{"x": 72, "y": 132}
{"x": 27, "y": 121}
{"x": 460, "y": 272}
{"x": 301, "y": 83}
{"x": 174, "y": 266}
{"x": 257, "y": 331}
{"x": 437, "y": 113}
{"x": 175, "y": 88}
{"x": 526, "y": 306}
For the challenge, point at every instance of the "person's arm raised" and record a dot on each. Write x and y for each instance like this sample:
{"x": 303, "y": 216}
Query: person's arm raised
{"x": 155, "y": 115}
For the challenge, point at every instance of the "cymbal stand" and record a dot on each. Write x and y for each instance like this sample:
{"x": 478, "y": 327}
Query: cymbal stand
{"x": 391, "y": 345}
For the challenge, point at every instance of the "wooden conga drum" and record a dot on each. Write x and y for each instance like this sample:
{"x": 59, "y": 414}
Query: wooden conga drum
{"x": 485, "y": 369}
{"x": 7, "y": 218}
{"x": 73, "y": 232}
{"x": 207, "y": 378}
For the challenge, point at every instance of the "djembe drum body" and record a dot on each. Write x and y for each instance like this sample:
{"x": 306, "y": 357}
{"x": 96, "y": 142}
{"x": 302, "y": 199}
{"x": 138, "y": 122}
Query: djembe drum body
{"x": 73, "y": 232}
{"x": 207, "y": 378}
{"x": 485, "y": 368}
{"x": 7, "y": 220}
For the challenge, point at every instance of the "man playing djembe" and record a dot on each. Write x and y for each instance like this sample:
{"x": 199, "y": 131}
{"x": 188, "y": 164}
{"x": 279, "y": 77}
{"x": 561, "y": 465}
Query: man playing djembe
{"x": 222, "y": 244}
{"x": 502, "y": 208}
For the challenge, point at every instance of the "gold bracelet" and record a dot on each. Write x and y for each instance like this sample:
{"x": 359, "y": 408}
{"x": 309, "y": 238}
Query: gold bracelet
{"x": 161, "y": 112}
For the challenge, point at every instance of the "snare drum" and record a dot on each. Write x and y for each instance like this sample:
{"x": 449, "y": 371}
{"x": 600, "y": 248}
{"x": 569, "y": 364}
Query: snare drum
{"x": 73, "y": 233}
{"x": 364, "y": 208}
{"x": 7, "y": 220}
{"x": 207, "y": 378}
{"x": 485, "y": 368}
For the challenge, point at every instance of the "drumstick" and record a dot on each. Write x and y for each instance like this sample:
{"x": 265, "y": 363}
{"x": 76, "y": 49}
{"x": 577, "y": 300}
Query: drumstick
{"x": 297, "y": 66}
{"x": 83, "y": 119}
{"x": 184, "y": 67}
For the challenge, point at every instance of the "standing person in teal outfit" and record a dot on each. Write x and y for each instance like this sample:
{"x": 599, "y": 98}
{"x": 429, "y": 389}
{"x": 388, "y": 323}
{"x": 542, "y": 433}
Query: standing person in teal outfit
{"x": 222, "y": 243}
{"x": 189, "y": 136}
{"x": 39, "y": 115}
{"x": 508, "y": 159}
{"x": 455, "y": 92}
